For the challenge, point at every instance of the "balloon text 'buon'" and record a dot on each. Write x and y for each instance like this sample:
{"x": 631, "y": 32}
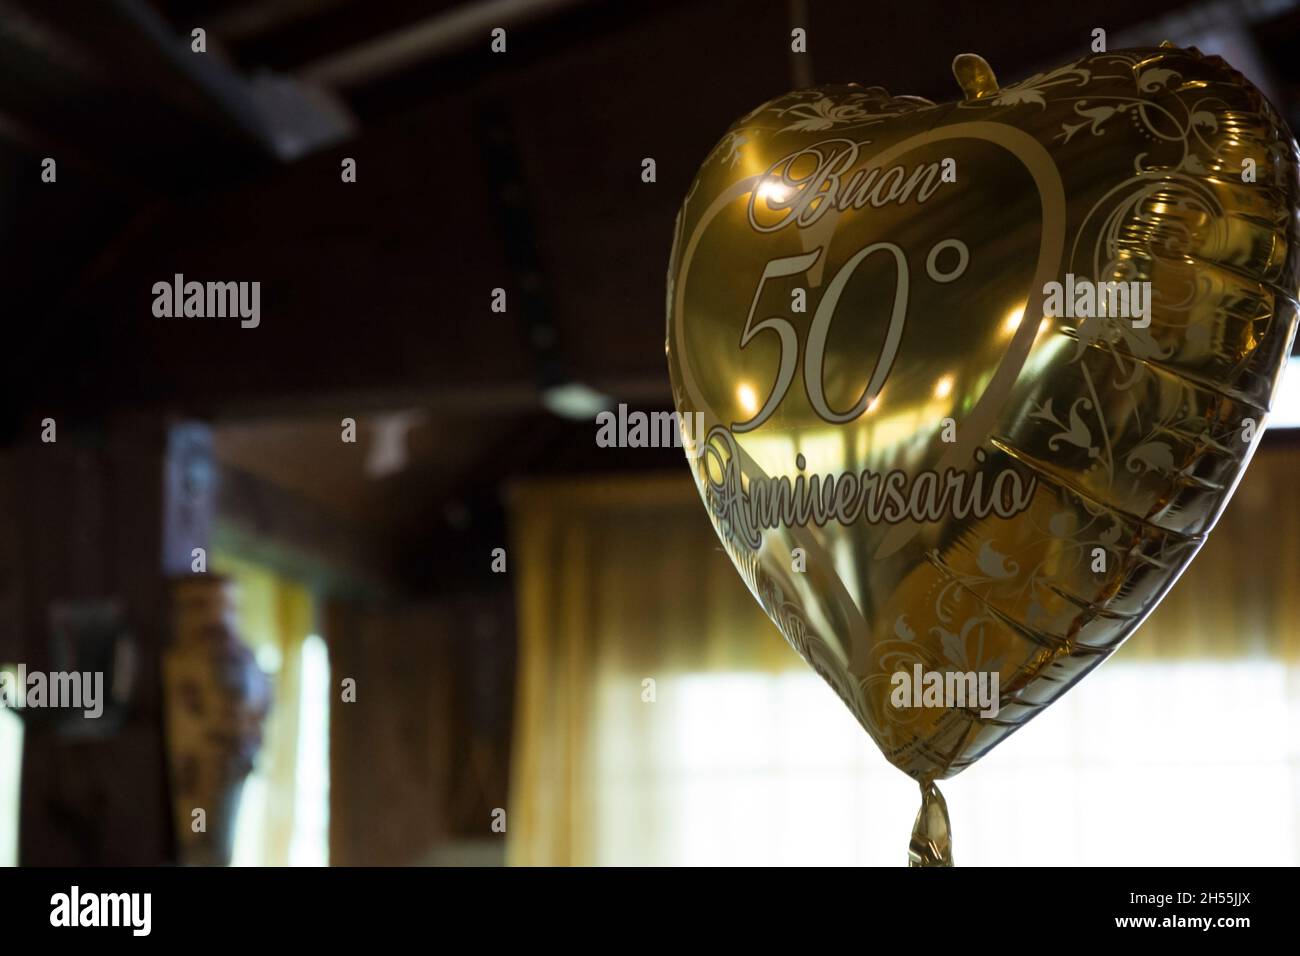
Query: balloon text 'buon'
{"x": 806, "y": 198}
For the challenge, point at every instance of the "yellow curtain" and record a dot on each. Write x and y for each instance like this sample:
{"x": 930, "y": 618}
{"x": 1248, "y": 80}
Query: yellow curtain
{"x": 622, "y": 581}
{"x": 275, "y": 616}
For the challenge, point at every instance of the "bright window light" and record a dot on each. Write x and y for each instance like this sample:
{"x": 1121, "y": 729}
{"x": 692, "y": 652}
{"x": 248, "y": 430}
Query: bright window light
{"x": 1286, "y": 406}
{"x": 309, "y": 845}
{"x": 1170, "y": 762}
{"x": 264, "y": 809}
{"x": 11, "y": 762}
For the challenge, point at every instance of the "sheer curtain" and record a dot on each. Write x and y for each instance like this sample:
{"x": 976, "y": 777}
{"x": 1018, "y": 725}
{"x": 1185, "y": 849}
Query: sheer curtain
{"x": 662, "y": 719}
{"x": 284, "y": 805}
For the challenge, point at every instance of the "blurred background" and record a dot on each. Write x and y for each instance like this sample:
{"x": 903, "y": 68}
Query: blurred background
{"x": 421, "y": 703}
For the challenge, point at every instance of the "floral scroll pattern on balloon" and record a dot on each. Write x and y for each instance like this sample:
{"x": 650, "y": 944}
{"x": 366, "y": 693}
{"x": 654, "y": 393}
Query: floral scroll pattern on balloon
{"x": 1093, "y": 447}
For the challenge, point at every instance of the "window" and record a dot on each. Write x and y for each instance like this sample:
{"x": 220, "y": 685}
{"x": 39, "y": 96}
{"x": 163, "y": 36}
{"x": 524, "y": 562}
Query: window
{"x": 309, "y": 845}
{"x": 1178, "y": 761}
{"x": 11, "y": 762}
{"x": 271, "y": 815}
{"x": 284, "y": 810}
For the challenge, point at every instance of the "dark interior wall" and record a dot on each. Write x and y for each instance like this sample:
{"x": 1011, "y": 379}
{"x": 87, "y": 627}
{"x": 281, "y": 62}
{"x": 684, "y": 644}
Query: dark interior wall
{"x": 386, "y": 282}
{"x": 93, "y": 517}
{"x": 422, "y": 755}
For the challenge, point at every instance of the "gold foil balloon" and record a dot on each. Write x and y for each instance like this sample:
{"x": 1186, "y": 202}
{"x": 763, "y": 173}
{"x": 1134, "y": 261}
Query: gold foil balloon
{"x": 977, "y": 379}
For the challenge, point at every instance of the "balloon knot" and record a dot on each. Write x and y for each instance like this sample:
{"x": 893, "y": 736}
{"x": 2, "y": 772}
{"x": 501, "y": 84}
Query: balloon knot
{"x": 931, "y": 835}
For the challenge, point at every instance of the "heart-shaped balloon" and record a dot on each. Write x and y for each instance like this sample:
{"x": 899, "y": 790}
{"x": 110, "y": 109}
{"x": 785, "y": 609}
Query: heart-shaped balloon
{"x": 977, "y": 379}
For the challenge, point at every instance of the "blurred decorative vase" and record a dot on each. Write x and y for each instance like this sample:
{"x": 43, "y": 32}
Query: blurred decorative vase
{"x": 216, "y": 702}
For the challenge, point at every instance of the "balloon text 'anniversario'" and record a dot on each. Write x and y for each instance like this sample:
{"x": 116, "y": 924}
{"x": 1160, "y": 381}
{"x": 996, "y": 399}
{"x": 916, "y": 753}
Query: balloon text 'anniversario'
{"x": 891, "y": 497}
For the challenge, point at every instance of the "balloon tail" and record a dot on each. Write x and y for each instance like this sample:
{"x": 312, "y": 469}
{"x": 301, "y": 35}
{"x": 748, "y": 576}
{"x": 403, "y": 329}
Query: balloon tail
{"x": 931, "y": 835}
